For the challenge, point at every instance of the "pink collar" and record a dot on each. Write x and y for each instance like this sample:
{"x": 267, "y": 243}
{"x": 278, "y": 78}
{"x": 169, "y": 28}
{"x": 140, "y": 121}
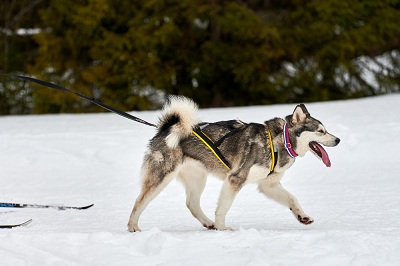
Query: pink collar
{"x": 286, "y": 140}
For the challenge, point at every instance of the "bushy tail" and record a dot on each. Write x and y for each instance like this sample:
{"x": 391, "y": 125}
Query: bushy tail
{"x": 178, "y": 117}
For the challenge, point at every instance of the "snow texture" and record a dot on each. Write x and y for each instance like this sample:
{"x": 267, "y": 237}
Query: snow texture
{"x": 96, "y": 158}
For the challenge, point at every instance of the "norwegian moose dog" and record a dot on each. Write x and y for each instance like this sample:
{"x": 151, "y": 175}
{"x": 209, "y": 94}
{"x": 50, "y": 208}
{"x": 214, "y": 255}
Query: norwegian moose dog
{"x": 238, "y": 153}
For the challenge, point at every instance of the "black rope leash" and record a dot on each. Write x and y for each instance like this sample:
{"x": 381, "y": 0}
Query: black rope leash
{"x": 105, "y": 106}
{"x": 196, "y": 131}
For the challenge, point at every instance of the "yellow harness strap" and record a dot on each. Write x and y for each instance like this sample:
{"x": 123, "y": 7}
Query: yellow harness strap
{"x": 271, "y": 146}
{"x": 210, "y": 147}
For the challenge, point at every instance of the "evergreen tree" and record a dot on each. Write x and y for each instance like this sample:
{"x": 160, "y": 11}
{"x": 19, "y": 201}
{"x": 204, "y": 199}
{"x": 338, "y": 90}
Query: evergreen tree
{"x": 221, "y": 53}
{"x": 18, "y": 21}
{"x": 328, "y": 38}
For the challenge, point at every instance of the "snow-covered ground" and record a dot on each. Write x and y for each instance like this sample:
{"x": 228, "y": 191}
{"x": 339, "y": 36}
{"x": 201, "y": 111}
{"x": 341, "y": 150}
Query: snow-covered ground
{"x": 96, "y": 158}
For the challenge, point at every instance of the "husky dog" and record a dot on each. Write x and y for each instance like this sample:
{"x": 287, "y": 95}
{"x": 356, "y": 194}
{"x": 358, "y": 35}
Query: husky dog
{"x": 256, "y": 153}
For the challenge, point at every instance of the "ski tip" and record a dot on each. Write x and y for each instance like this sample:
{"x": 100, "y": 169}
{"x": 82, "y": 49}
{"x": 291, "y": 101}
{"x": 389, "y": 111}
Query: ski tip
{"x": 63, "y": 208}
{"x": 10, "y": 226}
{"x": 26, "y": 223}
{"x": 86, "y": 207}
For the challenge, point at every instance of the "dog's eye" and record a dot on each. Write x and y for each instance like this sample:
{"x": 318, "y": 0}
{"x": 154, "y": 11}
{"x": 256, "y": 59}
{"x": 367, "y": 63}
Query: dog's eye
{"x": 321, "y": 131}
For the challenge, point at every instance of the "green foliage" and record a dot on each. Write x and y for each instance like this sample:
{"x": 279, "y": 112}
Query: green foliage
{"x": 328, "y": 38}
{"x": 17, "y": 50}
{"x": 130, "y": 53}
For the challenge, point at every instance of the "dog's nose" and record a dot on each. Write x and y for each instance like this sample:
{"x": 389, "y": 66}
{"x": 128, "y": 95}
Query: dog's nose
{"x": 337, "y": 141}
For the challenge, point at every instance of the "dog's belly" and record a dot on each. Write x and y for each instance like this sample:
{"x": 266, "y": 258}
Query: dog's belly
{"x": 256, "y": 173}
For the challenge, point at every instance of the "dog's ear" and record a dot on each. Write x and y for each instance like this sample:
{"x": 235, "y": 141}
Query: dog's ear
{"x": 300, "y": 114}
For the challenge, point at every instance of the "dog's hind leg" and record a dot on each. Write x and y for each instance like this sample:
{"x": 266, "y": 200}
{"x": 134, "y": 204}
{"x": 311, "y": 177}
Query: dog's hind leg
{"x": 150, "y": 189}
{"x": 272, "y": 188}
{"x": 194, "y": 176}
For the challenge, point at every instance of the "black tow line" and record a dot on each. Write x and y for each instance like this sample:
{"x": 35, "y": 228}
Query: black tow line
{"x": 93, "y": 100}
{"x": 196, "y": 130}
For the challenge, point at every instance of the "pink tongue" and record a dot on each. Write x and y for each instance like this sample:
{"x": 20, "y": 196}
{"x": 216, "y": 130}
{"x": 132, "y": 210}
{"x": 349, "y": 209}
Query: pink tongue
{"x": 325, "y": 157}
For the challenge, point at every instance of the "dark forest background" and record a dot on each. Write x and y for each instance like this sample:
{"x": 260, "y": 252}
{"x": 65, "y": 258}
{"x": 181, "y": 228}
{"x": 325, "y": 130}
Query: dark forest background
{"x": 131, "y": 53}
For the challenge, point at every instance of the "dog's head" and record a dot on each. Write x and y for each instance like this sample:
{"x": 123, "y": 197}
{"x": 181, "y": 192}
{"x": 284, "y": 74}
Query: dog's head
{"x": 310, "y": 134}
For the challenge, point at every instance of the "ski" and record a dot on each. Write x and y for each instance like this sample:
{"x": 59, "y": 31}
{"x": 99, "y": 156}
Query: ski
{"x": 9, "y": 226}
{"x": 58, "y": 207}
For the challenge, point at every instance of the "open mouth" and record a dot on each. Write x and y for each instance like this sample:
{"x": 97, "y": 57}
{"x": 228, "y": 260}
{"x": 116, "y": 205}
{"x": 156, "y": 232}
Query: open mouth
{"x": 320, "y": 152}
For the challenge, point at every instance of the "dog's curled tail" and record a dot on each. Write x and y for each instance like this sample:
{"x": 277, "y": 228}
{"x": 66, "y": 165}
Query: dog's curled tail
{"x": 178, "y": 117}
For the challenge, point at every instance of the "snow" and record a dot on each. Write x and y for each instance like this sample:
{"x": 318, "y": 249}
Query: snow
{"x": 96, "y": 158}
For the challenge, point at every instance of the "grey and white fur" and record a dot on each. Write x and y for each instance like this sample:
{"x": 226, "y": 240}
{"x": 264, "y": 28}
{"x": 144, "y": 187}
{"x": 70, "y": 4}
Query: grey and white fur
{"x": 175, "y": 152}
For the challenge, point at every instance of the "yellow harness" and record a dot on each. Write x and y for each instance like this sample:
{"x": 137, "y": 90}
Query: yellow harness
{"x": 214, "y": 149}
{"x": 271, "y": 146}
{"x": 210, "y": 144}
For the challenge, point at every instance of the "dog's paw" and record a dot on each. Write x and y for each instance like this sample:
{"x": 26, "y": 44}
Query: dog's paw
{"x": 133, "y": 228}
{"x": 209, "y": 226}
{"x": 222, "y": 228}
{"x": 305, "y": 219}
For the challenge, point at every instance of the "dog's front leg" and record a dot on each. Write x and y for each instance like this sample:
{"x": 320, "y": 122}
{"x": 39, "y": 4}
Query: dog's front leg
{"x": 228, "y": 193}
{"x": 272, "y": 188}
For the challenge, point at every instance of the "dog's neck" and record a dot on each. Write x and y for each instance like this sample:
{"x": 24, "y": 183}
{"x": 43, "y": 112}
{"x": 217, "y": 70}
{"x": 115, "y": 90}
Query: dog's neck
{"x": 286, "y": 140}
{"x": 280, "y": 127}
